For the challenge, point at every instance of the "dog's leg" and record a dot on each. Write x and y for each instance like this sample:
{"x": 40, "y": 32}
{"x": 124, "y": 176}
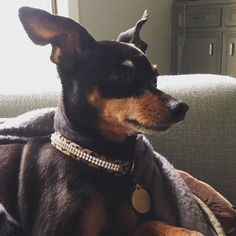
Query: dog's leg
{"x": 157, "y": 228}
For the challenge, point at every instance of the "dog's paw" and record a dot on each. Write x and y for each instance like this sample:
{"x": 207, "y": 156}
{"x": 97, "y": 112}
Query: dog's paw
{"x": 184, "y": 232}
{"x": 157, "y": 228}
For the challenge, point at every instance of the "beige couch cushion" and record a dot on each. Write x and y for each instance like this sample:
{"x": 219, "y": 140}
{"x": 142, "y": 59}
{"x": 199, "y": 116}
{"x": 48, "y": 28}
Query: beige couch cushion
{"x": 205, "y": 143}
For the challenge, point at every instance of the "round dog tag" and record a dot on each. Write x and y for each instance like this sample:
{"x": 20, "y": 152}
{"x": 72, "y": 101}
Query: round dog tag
{"x": 141, "y": 200}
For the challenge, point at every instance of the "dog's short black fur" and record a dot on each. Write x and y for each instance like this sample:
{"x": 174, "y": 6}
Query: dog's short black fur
{"x": 109, "y": 95}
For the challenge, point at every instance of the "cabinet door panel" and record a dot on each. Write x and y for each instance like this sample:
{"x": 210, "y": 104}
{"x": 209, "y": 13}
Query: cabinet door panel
{"x": 198, "y": 17}
{"x": 201, "y": 53}
{"x": 230, "y": 15}
{"x": 229, "y": 54}
{"x": 202, "y": 17}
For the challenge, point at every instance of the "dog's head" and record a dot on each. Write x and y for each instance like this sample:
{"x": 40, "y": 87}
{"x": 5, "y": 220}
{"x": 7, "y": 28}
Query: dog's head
{"x": 109, "y": 87}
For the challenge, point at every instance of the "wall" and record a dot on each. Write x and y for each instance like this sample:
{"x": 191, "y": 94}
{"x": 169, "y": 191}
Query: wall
{"x": 105, "y": 19}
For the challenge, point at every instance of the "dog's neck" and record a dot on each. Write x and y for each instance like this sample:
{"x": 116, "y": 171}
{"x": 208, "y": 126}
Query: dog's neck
{"x": 116, "y": 150}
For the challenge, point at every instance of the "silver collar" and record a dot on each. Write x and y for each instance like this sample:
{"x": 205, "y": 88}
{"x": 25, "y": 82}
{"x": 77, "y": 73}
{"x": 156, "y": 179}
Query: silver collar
{"x": 89, "y": 157}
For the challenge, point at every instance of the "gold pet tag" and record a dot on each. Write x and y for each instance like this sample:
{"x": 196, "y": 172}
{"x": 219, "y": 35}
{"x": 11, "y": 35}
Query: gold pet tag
{"x": 141, "y": 200}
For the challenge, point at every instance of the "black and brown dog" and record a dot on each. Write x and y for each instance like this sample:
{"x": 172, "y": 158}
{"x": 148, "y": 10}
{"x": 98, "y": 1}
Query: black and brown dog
{"x": 109, "y": 95}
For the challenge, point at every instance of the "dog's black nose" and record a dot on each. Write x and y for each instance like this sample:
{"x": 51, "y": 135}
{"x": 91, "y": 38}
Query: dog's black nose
{"x": 178, "y": 110}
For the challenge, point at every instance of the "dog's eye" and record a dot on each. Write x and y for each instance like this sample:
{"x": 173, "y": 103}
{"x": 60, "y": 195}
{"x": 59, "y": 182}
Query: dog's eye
{"x": 119, "y": 76}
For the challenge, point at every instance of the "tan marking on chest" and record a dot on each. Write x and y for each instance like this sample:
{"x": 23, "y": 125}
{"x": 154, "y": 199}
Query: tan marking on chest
{"x": 94, "y": 219}
{"x": 128, "y": 218}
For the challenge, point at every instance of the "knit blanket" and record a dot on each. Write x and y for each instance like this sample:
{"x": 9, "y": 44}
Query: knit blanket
{"x": 159, "y": 177}
{"x": 34, "y": 123}
{"x": 172, "y": 200}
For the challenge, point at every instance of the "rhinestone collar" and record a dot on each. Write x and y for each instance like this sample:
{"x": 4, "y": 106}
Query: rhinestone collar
{"x": 89, "y": 157}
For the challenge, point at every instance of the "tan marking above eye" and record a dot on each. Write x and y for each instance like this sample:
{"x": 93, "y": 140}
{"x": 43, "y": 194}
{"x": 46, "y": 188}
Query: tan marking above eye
{"x": 90, "y": 218}
{"x": 155, "y": 69}
{"x": 128, "y": 63}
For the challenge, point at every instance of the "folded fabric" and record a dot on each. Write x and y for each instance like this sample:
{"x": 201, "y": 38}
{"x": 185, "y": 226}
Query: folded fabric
{"x": 170, "y": 188}
{"x": 220, "y": 206}
{"x": 8, "y": 226}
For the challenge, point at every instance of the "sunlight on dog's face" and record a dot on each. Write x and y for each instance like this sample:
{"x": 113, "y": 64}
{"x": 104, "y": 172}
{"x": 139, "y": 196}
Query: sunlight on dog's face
{"x": 128, "y": 101}
{"x": 109, "y": 87}
{"x": 128, "y": 116}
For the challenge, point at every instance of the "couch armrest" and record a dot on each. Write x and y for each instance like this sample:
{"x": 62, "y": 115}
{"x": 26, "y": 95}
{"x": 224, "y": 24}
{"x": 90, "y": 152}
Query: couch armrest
{"x": 205, "y": 143}
{"x": 15, "y": 102}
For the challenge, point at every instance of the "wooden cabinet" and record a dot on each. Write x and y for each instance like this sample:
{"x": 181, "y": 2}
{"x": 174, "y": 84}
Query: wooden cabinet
{"x": 204, "y": 37}
{"x": 229, "y": 57}
{"x": 201, "y": 53}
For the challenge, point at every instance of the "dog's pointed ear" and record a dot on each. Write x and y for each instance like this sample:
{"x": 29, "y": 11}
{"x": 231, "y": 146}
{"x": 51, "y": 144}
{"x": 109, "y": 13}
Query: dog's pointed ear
{"x": 133, "y": 35}
{"x": 68, "y": 38}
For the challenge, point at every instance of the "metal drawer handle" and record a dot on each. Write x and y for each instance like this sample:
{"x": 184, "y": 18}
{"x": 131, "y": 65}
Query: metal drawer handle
{"x": 211, "y": 49}
{"x": 199, "y": 18}
{"x": 180, "y": 20}
{"x": 231, "y": 49}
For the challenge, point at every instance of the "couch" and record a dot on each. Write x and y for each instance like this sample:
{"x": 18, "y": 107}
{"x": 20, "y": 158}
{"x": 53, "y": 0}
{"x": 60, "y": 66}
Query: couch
{"x": 204, "y": 144}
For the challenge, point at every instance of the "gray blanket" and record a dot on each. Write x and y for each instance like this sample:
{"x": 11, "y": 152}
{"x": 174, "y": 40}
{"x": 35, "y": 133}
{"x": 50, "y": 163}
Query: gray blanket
{"x": 159, "y": 177}
{"x": 173, "y": 202}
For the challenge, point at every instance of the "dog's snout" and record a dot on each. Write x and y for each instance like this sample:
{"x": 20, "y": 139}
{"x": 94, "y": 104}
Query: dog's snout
{"x": 178, "y": 110}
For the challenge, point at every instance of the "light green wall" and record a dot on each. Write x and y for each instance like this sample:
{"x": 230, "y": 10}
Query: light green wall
{"x": 105, "y": 19}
